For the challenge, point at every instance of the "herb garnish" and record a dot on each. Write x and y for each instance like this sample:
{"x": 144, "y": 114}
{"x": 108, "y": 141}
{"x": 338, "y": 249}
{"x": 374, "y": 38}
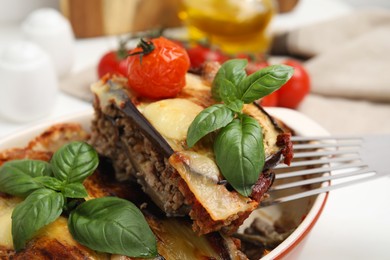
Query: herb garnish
{"x": 112, "y": 225}
{"x": 103, "y": 224}
{"x": 238, "y": 147}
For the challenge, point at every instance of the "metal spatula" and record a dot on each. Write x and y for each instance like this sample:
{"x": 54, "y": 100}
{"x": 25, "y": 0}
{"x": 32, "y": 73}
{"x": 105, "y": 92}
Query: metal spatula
{"x": 322, "y": 164}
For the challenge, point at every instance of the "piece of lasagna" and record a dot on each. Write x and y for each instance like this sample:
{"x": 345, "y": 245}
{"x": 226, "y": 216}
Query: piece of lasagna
{"x": 146, "y": 141}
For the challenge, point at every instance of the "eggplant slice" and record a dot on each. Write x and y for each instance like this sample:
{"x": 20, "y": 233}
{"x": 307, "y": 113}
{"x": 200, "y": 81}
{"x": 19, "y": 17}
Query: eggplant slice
{"x": 145, "y": 139}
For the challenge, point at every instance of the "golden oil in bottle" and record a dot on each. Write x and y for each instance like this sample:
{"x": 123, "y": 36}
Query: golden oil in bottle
{"x": 234, "y": 25}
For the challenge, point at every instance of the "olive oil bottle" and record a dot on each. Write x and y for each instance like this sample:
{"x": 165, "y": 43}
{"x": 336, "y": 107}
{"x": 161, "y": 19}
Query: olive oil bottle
{"x": 234, "y": 25}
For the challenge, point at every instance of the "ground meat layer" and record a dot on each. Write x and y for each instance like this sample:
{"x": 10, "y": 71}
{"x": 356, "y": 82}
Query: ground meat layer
{"x": 115, "y": 136}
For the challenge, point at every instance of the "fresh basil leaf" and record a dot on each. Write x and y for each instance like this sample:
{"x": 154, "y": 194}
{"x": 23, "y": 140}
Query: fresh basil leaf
{"x": 112, "y": 225}
{"x": 207, "y": 121}
{"x": 232, "y": 71}
{"x": 236, "y": 105}
{"x": 229, "y": 92}
{"x": 74, "y": 162}
{"x": 239, "y": 153}
{"x": 74, "y": 190}
{"x": 17, "y": 176}
{"x": 39, "y": 209}
{"x": 33, "y": 168}
{"x": 264, "y": 82}
{"x": 50, "y": 182}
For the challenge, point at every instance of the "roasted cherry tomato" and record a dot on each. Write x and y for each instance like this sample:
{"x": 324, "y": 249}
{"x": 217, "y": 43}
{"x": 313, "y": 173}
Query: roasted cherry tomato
{"x": 292, "y": 93}
{"x": 157, "y": 68}
{"x": 199, "y": 54}
{"x": 113, "y": 62}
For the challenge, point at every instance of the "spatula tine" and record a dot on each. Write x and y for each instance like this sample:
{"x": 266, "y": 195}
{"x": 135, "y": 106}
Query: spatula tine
{"x": 321, "y": 179}
{"x": 318, "y": 170}
{"x": 324, "y": 153}
{"x": 319, "y": 145}
{"x": 318, "y": 162}
{"x": 273, "y": 201}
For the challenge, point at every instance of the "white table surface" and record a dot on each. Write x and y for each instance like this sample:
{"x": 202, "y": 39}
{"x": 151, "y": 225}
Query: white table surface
{"x": 355, "y": 221}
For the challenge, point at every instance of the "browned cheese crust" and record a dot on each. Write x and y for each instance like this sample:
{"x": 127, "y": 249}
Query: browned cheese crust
{"x": 175, "y": 236}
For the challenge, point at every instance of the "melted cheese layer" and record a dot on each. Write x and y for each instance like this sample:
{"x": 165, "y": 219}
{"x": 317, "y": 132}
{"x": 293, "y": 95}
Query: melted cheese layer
{"x": 6, "y": 208}
{"x": 219, "y": 202}
{"x": 172, "y": 117}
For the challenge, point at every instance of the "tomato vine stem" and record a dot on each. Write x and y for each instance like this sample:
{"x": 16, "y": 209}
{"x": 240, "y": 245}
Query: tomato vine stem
{"x": 146, "y": 46}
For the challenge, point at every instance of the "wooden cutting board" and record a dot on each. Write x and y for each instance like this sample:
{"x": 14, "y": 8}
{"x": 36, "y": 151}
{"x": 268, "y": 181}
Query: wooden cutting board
{"x": 91, "y": 18}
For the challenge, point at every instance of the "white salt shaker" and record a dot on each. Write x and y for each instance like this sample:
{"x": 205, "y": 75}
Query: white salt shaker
{"x": 52, "y": 32}
{"x": 29, "y": 83}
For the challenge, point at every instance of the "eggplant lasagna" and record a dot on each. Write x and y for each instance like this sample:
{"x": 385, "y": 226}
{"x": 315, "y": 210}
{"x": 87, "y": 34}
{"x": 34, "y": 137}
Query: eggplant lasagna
{"x": 145, "y": 139}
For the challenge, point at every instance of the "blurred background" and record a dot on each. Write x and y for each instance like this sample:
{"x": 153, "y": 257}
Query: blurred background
{"x": 97, "y": 17}
{"x": 334, "y": 41}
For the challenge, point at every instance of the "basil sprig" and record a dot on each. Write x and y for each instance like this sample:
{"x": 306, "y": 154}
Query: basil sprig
{"x": 238, "y": 146}
{"x": 40, "y": 208}
{"x": 110, "y": 225}
{"x": 73, "y": 163}
{"x": 21, "y": 177}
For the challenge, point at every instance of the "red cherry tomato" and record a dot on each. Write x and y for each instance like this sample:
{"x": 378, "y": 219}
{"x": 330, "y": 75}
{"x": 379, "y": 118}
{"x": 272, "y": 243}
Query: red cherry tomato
{"x": 292, "y": 93}
{"x": 270, "y": 100}
{"x": 158, "y": 71}
{"x": 255, "y": 66}
{"x": 112, "y": 62}
{"x": 199, "y": 54}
